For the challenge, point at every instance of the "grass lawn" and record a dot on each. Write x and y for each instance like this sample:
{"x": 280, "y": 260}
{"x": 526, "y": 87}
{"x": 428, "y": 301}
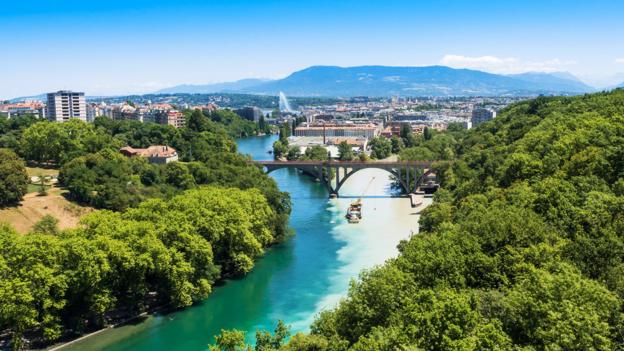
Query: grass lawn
{"x": 35, "y": 171}
{"x": 32, "y": 188}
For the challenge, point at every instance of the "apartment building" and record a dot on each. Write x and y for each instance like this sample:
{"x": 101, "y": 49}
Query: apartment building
{"x": 64, "y": 105}
{"x": 480, "y": 115}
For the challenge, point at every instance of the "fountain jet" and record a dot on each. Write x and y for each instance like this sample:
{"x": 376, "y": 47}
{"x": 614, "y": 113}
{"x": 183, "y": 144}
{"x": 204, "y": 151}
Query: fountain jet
{"x": 284, "y": 105}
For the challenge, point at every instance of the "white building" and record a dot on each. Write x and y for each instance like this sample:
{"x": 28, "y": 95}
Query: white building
{"x": 64, "y": 105}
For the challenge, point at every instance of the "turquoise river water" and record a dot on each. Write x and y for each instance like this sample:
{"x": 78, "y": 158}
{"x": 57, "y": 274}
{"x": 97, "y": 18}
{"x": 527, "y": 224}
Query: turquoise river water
{"x": 293, "y": 281}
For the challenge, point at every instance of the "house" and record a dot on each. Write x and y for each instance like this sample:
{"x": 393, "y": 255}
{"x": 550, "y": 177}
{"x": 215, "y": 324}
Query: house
{"x": 155, "y": 154}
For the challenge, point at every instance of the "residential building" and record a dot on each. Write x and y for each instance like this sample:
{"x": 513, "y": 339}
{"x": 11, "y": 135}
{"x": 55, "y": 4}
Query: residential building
{"x": 64, "y": 105}
{"x": 155, "y": 154}
{"x": 176, "y": 119}
{"x": 480, "y": 115}
{"x": 336, "y": 130}
{"x": 97, "y": 110}
{"x": 249, "y": 113}
{"x": 22, "y": 108}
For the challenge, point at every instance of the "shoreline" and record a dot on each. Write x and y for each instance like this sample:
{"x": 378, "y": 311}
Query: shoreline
{"x": 146, "y": 314}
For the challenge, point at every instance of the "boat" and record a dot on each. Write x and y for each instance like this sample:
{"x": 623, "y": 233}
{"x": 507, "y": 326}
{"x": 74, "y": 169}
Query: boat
{"x": 354, "y": 213}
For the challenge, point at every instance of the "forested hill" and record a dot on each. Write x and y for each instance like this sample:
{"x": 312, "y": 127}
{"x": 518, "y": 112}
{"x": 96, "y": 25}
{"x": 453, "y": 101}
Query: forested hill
{"x": 523, "y": 249}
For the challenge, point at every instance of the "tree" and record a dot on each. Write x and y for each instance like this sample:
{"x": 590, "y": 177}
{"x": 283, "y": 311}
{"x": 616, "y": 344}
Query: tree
{"x": 284, "y": 133}
{"x": 345, "y": 151}
{"x": 197, "y": 121}
{"x": 46, "y": 225}
{"x": 280, "y": 149}
{"x": 267, "y": 342}
{"x": 397, "y": 144}
{"x": 230, "y": 340}
{"x": 427, "y": 134}
{"x": 42, "y": 185}
{"x": 44, "y": 141}
{"x": 317, "y": 153}
{"x": 294, "y": 153}
{"x": 13, "y": 178}
{"x": 263, "y": 126}
{"x": 381, "y": 147}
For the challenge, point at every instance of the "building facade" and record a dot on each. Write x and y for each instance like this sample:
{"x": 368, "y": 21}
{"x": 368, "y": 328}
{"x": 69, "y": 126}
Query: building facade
{"x": 332, "y": 130}
{"x": 64, "y": 105}
{"x": 160, "y": 154}
{"x": 23, "y": 108}
{"x": 480, "y": 115}
{"x": 249, "y": 113}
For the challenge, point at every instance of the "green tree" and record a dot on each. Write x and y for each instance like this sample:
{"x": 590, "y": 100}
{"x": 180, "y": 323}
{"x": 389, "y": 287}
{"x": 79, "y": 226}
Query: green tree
{"x": 397, "y": 144}
{"x": 284, "y": 133}
{"x": 46, "y": 225}
{"x": 381, "y": 147}
{"x": 317, "y": 153}
{"x": 267, "y": 342}
{"x": 13, "y": 178}
{"x": 294, "y": 153}
{"x": 230, "y": 340}
{"x": 197, "y": 122}
{"x": 427, "y": 135}
{"x": 280, "y": 149}
{"x": 345, "y": 151}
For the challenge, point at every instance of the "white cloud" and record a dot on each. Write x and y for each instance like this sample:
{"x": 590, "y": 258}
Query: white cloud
{"x": 620, "y": 60}
{"x": 505, "y": 64}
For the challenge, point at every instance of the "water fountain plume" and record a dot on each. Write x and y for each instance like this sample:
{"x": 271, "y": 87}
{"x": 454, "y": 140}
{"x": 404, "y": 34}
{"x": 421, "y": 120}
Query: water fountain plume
{"x": 284, "y": 105}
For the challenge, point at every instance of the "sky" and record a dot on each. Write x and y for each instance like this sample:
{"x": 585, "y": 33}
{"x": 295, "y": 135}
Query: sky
{"x": 137, "y": 46}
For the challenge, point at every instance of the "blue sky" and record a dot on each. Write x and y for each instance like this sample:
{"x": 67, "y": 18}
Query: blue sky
{"x": 136, "y": 46}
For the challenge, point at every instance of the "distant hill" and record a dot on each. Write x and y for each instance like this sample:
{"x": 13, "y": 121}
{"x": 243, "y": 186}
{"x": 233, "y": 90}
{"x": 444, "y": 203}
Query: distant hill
{"x": 562, "y": 81}
{"x": 213, "y": 88}
{"x": 40, "y": 97}
{"x": 415, "y": 81}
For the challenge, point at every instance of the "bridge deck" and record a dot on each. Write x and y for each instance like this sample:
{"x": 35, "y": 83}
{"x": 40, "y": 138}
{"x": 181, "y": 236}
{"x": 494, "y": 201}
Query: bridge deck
{"x": 347, "y": 163}
{"x": 409, "y": 174}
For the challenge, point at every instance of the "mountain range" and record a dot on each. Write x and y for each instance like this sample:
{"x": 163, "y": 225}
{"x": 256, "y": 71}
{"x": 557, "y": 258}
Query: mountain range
{"x": 404, "y": 81}
{"x": 214, "y": 88}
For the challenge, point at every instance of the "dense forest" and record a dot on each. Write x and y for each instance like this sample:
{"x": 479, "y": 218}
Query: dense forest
{"x": 165, "y": 233}
{"x": 522, "y": 249}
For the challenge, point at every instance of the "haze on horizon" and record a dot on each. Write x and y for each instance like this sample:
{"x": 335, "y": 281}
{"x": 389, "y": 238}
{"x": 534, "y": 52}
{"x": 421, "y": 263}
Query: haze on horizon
{"x": 140, "y": 46}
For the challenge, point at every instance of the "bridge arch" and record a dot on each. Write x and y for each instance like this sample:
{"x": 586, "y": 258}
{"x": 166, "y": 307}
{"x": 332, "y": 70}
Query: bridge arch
{"x": 393, "y": 172}
{"x": 409, "y": 174}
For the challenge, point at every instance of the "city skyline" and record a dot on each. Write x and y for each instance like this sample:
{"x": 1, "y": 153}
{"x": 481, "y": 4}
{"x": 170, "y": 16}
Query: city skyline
{"x": 143, "y": 46}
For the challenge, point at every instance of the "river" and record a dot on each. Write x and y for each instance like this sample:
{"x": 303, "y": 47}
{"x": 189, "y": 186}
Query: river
{"x": 293, "y": 281}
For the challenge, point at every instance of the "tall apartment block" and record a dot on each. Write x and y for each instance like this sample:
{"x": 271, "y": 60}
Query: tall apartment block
{"x": 64, "y": 105}
{"x": 480, "y": 115}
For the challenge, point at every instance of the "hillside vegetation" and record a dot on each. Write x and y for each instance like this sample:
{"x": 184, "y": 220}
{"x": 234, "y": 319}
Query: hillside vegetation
{"x": 523, "y": 249}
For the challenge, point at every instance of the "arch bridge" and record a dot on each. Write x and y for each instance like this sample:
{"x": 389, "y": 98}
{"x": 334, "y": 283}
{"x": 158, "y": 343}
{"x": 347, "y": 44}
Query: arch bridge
{"x": 411, "y": 175}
